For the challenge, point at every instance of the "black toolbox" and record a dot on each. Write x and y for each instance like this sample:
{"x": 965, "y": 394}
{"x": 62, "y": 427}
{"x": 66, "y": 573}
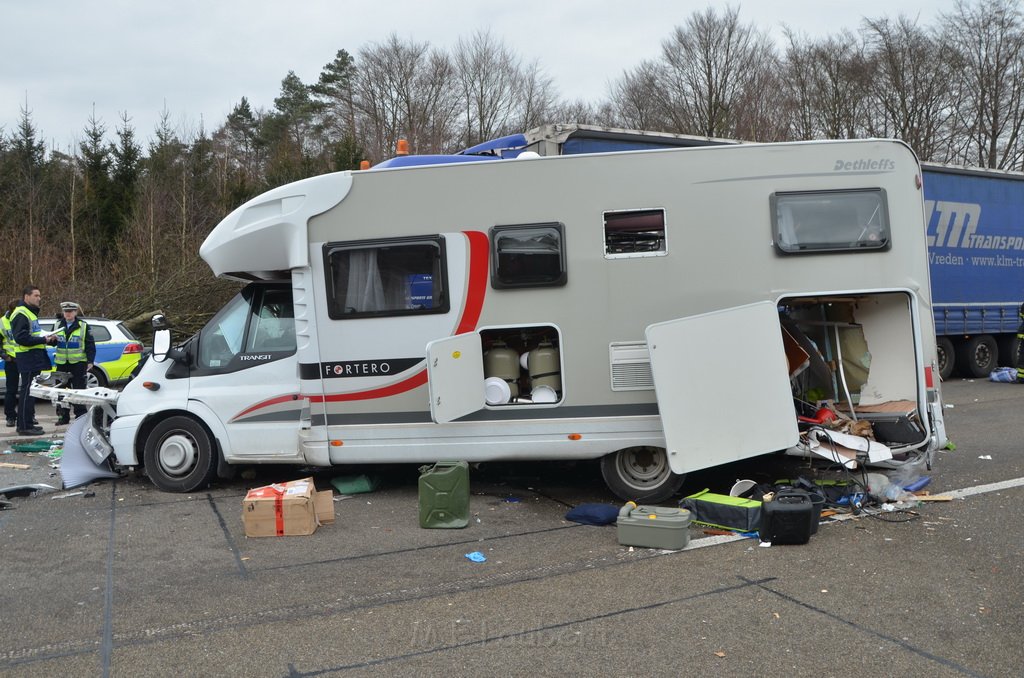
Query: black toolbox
{"x": 787, "y": 518}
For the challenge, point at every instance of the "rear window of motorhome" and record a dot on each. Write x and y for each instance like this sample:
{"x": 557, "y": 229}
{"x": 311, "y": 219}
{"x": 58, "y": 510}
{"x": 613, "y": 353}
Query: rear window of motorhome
{"x": 830, "y": 221}
{"x": 385, "y": 278}
{"x": 634, "y": 233}
{"x": 528, "y": 255}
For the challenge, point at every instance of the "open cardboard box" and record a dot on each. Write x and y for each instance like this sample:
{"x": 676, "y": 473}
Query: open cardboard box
{"x": 282, "y": 509}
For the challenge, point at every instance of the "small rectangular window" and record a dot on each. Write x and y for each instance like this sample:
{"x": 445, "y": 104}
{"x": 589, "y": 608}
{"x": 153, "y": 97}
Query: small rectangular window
{"x": 634, "y": 233}
{"x": 272, "y": 323}
{"x": 528, "y": 255}
{"x": 386, "y": 278}
{"x": 830, "y": 221}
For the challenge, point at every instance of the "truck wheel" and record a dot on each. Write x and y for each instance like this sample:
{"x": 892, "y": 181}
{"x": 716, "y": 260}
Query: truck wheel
{"x": 640, "y": 474}
{"x": 946, "y": 356}
{"x": 978, "y": 356}
{"x": 1009, "y": 350}
{"x": 179, "y": 455}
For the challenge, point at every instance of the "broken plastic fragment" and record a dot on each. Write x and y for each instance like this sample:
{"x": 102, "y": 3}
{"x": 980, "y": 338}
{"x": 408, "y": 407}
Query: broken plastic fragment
{"x": 476, "y": 557}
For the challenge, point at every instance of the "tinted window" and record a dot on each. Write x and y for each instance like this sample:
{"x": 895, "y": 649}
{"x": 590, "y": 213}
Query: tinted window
{"x": 830, "y": 221}
{"x": 528, "y": 255}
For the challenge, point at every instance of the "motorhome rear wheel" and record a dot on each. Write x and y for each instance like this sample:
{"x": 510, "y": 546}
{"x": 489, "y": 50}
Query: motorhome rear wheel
{"x": 640, "y": 474}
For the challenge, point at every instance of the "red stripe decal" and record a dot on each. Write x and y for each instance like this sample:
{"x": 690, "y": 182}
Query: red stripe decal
{"x": 476, "y": 286}
{"x": 266, "y": 403}
{"x": 415, "y": 381}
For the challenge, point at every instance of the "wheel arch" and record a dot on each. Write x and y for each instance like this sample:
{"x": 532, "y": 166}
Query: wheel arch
{"x": 150, "y": 422}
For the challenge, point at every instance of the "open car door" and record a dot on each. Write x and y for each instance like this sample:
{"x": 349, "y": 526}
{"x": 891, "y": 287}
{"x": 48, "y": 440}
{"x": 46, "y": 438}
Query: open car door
{"x": 722, "y": 383}
{"x": 455, "y": 376}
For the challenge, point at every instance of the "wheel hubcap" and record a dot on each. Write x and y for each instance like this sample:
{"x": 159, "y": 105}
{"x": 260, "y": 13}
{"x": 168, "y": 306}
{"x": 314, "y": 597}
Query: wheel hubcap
{"x": 177, "y": 454}
{"x": 643, "y": 467}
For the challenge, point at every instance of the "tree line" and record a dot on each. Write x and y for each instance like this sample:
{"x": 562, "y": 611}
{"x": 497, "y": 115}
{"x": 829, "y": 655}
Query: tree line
{"x": 116, "y": 224}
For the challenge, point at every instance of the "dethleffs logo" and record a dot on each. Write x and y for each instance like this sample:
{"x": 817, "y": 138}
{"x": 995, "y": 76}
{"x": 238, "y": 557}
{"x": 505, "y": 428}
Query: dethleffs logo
{"x": 865, "y": 165}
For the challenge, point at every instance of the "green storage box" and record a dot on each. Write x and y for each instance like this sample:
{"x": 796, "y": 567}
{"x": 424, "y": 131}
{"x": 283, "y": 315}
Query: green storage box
{"x": 724, "y": 511}
{"x": 654, "y": 527}
{"x": 444, "y": 494}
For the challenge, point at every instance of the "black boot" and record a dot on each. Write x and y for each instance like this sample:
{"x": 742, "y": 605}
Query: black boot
{"x": 63, "y": 418}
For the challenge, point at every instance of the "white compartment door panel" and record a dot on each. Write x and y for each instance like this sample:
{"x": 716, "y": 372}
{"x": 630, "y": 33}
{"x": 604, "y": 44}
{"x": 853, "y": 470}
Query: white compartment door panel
{"x": 455, "y": 376}
{"x": 722, "y": 383}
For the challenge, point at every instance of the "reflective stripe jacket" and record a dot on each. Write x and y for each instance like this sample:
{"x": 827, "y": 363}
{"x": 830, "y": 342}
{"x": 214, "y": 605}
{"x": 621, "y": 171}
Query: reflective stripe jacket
{"x": 31, "y": 356}
{"x": 10, "y": 346}
{"x": 74, "y": 343}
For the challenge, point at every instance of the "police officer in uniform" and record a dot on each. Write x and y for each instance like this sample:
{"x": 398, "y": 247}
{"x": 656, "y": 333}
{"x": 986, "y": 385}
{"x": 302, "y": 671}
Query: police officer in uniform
{"x": 31, "y": 356}
{"x": 10, "y": 349}
{"x": 75, "y": 354}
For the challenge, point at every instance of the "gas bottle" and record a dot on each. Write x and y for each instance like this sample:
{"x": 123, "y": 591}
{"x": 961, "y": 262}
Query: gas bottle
{"x": 503, "y": 362}
{"x": 544, "y": 367}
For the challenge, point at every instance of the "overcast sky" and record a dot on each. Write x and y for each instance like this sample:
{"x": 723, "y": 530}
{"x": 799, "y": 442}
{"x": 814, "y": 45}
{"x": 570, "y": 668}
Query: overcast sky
{"x": 196, "y": 59}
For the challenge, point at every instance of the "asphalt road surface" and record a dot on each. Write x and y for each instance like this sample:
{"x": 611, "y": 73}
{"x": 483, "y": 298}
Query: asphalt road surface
{"x": 125, "y": 580}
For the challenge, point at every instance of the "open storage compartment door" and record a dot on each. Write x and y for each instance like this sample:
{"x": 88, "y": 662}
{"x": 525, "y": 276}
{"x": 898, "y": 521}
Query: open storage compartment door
{"x": 722, "y": 383}
{"x": 455, "y": 377}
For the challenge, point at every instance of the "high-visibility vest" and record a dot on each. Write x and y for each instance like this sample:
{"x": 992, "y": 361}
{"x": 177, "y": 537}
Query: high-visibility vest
{"x": 10, "y": 346}
{"x": 33, "y": 325}
{"x": 71, "y": 347}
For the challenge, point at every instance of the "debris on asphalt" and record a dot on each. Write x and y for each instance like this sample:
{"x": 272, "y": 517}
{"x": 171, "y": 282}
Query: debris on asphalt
{"x": 593, "y": 514}
{"x": 476, "y": 557}
{"x": 356, "y": 484}
{"x": 26, "y": 490}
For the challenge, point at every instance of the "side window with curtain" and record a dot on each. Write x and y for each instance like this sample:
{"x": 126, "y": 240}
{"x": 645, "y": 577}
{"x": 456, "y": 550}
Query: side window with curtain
{"x": 386, "y": 278}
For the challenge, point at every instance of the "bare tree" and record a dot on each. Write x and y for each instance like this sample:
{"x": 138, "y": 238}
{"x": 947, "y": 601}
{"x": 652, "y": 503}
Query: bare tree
{"x": 636, "y": 100}
{"x": 827, "y": 85}
{"x": 488, "y": 73}
{"x": 911, "y": 72}
{"x": 989, "y": 37}
{"x": 404, "y": 89}
{"x": 713, "y": 62}
{"x": 538, "y": 99}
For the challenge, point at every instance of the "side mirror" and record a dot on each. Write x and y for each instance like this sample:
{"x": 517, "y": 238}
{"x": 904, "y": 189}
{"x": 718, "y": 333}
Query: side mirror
{"x": 161, "y": 342}
{"x": 159, "y": 322}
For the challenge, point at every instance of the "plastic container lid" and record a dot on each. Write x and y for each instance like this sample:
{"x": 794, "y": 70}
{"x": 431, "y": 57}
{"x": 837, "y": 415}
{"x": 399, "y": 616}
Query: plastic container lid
{"x": 544, "y": 394}
{"x": 741, "y": 488}
{"x": 496, "y": 391}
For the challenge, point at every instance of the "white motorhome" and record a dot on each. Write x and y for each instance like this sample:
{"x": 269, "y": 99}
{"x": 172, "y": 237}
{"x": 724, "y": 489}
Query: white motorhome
{"x": 632, "y": 307}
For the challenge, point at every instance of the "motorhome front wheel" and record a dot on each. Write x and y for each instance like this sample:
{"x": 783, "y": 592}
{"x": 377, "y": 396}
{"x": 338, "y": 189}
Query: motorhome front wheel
{"x": 179, "y": 455}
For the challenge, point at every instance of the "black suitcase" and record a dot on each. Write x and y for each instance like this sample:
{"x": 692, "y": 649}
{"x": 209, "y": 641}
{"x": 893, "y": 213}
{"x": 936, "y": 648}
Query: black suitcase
{"x": 787, "y": 518}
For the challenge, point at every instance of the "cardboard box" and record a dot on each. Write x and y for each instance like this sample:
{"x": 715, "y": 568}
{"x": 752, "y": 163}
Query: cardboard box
{"x": 282, "y": 509}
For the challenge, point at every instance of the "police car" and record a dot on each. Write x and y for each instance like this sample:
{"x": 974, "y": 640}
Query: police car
{"x": 118, "y": 352}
